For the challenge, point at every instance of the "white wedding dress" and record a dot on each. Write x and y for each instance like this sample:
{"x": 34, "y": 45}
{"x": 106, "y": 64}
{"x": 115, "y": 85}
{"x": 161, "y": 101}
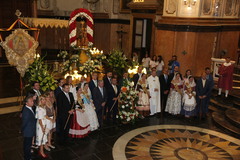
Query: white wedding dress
{"x": 92, "y": 116}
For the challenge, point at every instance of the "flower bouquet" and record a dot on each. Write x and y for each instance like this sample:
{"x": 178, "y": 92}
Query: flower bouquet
{"x": 127, "y": 101}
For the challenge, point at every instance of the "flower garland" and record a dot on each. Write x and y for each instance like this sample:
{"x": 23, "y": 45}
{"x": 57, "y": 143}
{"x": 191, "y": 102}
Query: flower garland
{"x": 81, "y": 12}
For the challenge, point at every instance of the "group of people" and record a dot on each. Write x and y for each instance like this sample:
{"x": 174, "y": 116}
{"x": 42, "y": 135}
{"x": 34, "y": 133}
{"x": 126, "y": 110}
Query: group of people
{"x": 75, "y": 110}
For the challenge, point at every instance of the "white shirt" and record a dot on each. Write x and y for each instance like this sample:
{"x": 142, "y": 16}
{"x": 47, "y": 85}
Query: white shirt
{"x": 30, "y": 109}
{"x": 95, "y": 82}
{"x": 38, "y": 92}
{"x": 153, "y": 64}
{"x": 203, "y": 82}
{"x": 160, "y": 66}
{"x": 145, "y": 62}
{"x": 101, "y": 90}
{"x": 115, "y": 88}
{"x": 67, "y": 95}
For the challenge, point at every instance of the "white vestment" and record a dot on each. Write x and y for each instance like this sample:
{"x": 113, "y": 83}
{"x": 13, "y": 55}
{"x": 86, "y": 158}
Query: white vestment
{"x": 155, "y": 100}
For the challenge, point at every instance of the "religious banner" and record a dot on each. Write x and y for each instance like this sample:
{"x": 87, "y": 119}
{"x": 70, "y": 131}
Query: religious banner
{"x": 20, "y": 49}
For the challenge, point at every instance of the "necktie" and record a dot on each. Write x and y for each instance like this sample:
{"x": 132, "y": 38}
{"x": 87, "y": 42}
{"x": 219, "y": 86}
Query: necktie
{"x": 101, "y": 90}
{"x": 115, "y": 89}
{"x": 165, "y": 78}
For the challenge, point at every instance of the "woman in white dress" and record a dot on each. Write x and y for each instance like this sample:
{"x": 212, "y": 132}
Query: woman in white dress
{"x": 89, "y": 108}
{"x": 41, "y": 130}
{"x": 154, "y": 62}
{"x": 143, "y": 101}
{"x": 175, "y": 96}
{"x": 80, "y": 126}
{"x": 160, "y": 66}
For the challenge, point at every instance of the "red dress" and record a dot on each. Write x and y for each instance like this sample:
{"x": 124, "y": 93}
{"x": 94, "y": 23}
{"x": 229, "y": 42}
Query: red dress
{"x": 80, "y": 126}
{"x": 225, "y": 80}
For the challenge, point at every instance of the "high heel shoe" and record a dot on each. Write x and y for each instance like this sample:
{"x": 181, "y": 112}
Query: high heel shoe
{"x": 51, "y": 146}
{"x": 42, "y": 155}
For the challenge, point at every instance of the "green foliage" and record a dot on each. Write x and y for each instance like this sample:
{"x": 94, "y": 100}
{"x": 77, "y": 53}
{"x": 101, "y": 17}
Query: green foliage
{"x": 117, "y": 61}
{"x": 38, "y": 71}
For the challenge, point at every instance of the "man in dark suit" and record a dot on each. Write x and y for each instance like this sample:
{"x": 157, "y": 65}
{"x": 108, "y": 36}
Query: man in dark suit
{"x": 165, "y": 87}
{"x": 28, "y": 126}
{"x": 171, "y": 75}
{"x": 203, "y": 91}
{"x": 65, "y": 102}
{"x": 99, "y": 99}
{"x": 93, "y": 83}
{"x": 37, "y": 90}
{"x": 58, "y": 90}
{"x": 137, "y": 76}
{"x": 112, "y": 92}
{"x": 107, "y": 80}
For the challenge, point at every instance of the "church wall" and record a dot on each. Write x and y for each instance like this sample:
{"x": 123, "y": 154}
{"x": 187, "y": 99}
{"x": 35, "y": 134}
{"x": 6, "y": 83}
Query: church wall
{"x": 164, "y": 44}
{"x": 229, "y": 41}
{"x": 199, "y": 47}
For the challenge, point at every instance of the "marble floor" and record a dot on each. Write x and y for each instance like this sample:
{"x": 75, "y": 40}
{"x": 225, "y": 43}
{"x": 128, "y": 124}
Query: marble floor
{"x": 97, "y": 146}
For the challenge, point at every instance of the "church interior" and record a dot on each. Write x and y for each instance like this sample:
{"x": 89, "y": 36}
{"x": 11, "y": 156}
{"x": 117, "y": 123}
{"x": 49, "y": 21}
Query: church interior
{"x": 83, "y": 35}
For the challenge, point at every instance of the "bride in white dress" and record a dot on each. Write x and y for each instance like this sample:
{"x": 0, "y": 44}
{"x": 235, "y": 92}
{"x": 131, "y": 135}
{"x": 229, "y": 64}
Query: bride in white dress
{"x": 175, "y": 96}
{"x": 89, "y": 108}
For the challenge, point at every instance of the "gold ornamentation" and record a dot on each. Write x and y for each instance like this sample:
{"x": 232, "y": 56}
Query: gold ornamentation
{"x": 20, "y": 50}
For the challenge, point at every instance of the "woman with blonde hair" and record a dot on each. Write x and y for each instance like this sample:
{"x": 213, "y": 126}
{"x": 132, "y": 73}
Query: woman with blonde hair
{"x": 41, "y": 130}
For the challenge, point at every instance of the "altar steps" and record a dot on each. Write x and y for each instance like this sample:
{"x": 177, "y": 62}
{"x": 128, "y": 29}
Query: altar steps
{"x": 226, "y": 113}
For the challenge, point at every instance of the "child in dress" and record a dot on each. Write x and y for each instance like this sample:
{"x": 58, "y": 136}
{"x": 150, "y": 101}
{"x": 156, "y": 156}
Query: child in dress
{"x": 41, "y": 130}
{"x": 50, "y": 118}
{"x": 189, "y": 99}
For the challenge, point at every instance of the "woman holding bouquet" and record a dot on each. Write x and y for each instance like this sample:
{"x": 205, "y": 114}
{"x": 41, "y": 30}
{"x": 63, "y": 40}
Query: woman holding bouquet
{"x": 143, "y": 102}
{"x": 80, "y": 126}
{"x": 89, "y": 108}
{"x": 174, "y": 98}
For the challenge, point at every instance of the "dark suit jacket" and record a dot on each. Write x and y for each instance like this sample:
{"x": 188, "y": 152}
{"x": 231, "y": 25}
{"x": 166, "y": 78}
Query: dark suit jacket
{"x": 210, "y": 79}
{"x": 91, "y": 86}
{"x": 200, "y": 90}
{"x": 57, "y": 91}
{"x": 135, "y": 79}
{"x": 111, "y": 94}
{"x": 163, "y": 84}
{"x": 107, "y": 84}
{"x": 28, "y": 123}
{"x": 63, "y": 105}
{"x": 98, "y": 99}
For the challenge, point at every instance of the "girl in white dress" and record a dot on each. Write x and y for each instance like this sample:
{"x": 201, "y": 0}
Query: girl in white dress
{"x": 41, "y": 130}
{"x": 189, "y": 98}
{"x": 175, "y": 96}
{"x": 89, "y": 108}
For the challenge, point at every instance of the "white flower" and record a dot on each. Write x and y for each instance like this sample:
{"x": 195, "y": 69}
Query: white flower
{"x": 117, "y": 116}
{"x": 123, "y": 106}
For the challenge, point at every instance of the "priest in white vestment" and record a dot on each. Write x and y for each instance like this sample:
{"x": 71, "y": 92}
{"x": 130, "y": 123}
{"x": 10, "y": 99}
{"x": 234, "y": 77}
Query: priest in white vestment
{"x": 154, "y": 89}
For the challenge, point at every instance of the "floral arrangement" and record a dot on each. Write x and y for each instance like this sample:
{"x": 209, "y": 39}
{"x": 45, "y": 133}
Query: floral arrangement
{"x": 38, "y": 71}
{"x": 127, "y": 101}
{"x": 117, "y": 61}
{"x": 93, "y": 64}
